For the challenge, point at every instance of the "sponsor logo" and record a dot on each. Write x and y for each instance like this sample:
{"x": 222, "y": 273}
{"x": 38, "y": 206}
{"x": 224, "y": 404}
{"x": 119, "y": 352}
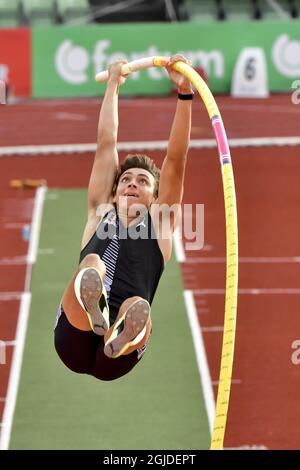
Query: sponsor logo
{"x": 72, "y": 62}
{"x": 286, "y": 56}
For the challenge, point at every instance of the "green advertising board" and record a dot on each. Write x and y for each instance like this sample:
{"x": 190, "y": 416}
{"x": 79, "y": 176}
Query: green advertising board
{"x": 66, "y": 59}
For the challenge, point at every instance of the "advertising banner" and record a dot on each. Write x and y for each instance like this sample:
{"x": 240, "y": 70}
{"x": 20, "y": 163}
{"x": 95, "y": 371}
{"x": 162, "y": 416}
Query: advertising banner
{"x": 66, "y": 59}
{"x": 15, "y": 63}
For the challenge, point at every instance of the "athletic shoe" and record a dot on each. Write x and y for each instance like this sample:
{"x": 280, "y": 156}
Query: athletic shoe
{"x": 91, "y": 294}
{"x": 128, "y": 330}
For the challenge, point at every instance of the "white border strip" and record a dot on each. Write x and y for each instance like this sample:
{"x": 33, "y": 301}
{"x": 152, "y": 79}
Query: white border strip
{"x": 34, "y": 233}
{"x": 153, "y": 145}
{"x": 200, "y": 357}
{"x": 245, "y": 259}
{"x": 178, "y": 246}
{"x": 14, "y": 376}
{"x": 36, "y": 224}
{"x": 15, "y": 372}
{"x": 253, "y": 291}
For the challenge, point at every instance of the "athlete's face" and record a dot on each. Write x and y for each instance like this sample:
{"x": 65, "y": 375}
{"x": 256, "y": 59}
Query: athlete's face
{"x": 136, "y": 186}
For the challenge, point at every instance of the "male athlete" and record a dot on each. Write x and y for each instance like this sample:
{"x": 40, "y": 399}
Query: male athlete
{"x": 103, "y": 323}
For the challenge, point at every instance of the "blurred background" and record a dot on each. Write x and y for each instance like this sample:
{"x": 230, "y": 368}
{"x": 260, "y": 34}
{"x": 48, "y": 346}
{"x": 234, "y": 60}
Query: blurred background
{"x": 248, "y": 53}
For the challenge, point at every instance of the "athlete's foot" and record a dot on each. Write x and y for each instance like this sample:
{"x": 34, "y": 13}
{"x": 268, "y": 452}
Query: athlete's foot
{"x": 91, "y": 295}
{"x": 128, "y": 330}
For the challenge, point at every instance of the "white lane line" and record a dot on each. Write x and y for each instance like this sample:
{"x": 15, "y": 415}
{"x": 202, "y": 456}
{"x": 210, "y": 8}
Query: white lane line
{"x": 7, "y": 296}
{"x": 213, "y": 329}
{"x": 13, "y": 260}
{"x": 200, "y": 357}
{"x": 248, "y": 447}
{"x": 147, "y": 145}
{"x": 245, "y": 259}
{"x": 36, "y": 224}
{"x": 14, "y": 375}
{"x": 10, "y": 343}
{"x": 14, "y": 225}
{"x": 233, "y": 381}
{"x": 254, "y": 291}
{"x": 34, "y": 233}
{"x": 178, "y": 246}
{"x": 70, "y": 116}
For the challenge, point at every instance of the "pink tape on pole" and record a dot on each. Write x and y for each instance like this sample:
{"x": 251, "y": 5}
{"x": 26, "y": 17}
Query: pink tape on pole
{"x": 221, "y": 139}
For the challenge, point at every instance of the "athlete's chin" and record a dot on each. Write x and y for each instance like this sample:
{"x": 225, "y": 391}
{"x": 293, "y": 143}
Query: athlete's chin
{"x": 134, "y": 201}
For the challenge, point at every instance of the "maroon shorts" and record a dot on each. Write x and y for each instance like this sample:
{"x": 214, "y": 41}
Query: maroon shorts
{"x": 82, "y": 352}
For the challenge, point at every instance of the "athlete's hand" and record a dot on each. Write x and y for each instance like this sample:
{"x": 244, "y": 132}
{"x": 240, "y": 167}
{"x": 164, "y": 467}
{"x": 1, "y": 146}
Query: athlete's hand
{"x": 115, "y": 71}
{"x": 180, "y": 81}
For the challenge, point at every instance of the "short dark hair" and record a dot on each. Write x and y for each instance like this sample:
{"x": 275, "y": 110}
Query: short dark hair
{"x": 139, "y": 161}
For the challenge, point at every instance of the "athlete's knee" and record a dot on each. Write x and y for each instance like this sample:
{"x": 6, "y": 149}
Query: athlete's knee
{"x": 93, "y": 260}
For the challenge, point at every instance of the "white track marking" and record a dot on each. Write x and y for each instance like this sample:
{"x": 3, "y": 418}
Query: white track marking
{"x": 196, "y": 333}
{"x": 253, "y": 291}
{"x": 34, "y": 233}
{"x": 200, "y": 357}
{"x": 30, "y": 150}
{"x": 70, "y": 116}
{"x": 233, "y": 381}
{"x": 247, "y": 259}
{"x": 178, "y": 246}
{"x": 14, "y": 260}
{"x": 10, "y": 343}
{"x": 15, "y": 371}
{"x": 248, "y": 447}
{"x": 14, "y": 376}
{"x": 14, "y": 225}
{"x": 213, "y": 329}
{"x": 7, "y": 296}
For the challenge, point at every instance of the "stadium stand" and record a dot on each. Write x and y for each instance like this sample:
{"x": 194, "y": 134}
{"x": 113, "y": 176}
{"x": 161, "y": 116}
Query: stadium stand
{"x": 39, "y": 12}
{"x": 70, "y": 10}
{"x": 138, "y": 10}
{"x": 10, "y": 13}
{"x": 14, "y": 13}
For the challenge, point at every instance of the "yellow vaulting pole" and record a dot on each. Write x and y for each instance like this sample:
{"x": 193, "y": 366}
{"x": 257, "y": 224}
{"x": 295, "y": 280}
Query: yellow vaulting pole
{"x": 231, "y": 254}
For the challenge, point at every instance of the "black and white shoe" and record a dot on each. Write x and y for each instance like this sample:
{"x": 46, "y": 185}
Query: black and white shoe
{"x": 128, "y": 330}
{"x": 91, "y": 294}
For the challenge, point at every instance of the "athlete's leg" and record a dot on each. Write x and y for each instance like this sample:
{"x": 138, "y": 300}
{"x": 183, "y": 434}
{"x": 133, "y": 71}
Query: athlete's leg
{"x": 131, "y": 329}
{"x": 75, "y": 312}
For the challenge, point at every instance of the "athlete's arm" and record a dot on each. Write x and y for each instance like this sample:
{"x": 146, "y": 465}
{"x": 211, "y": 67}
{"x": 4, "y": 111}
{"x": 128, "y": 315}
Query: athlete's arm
{"x": 173, "y": 168}
{"x": 106, "y": 158}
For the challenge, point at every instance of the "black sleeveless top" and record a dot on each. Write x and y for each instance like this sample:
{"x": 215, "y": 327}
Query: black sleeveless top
{"x": 140, "y": 261}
